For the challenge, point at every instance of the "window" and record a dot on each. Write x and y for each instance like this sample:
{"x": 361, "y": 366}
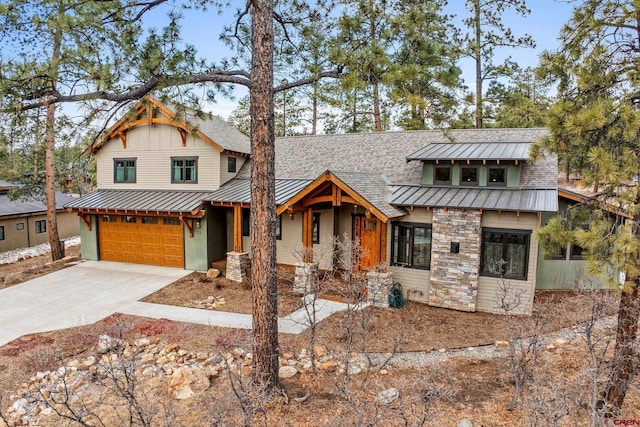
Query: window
{"x": 279, "y": 227}
{"x": 1, "y": 232}
{"x": 129, "y": 219}
{"x": 559, "y": 252}
{"x": 149, "y": 220}
{"x": 468, "y": 176}
{"x": 109, "y": 218}
{"x": 505, "y": 253}
{"x": 497, "y": 176}
{"x": 20, "y": 226}
{"x": 231, "y": 164}
{"x": 316, "y": 228}
{"x": 577, "y": 252}
{"x": 41, "y": 226}
{"x": 442, "y": 175}
{"x": 246, "y": 218}
{"x": 184, "y": 169}
{"x": 171, "y": 221}
{"x": 124, "y": 170}
{"x": 411, "y": 245}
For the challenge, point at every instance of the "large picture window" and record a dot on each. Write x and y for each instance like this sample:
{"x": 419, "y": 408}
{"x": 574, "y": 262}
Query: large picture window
{"x": 124, "y": 170}
{"x": 505, "y": 253}
{"x": 184, "y": 170}
{"x": 411, "y": 245}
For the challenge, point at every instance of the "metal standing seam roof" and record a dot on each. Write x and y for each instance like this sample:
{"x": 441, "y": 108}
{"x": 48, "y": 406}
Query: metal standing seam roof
{"x": 238, "y": 190}
{"x": 473, "y": 151}
{"x": 141, "y": 200}
{"x": 527, "y": 200}
{"x": 22, "y": 207}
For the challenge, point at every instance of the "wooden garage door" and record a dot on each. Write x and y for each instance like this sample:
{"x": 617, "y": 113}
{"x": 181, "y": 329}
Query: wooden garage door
{"x": 141, "y": 240}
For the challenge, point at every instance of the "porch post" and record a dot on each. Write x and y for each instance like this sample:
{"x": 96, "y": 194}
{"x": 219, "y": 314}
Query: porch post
{"x": 237, "y": 261}
{"x": 307, "y": 235}
{"x": 237, "y": 228}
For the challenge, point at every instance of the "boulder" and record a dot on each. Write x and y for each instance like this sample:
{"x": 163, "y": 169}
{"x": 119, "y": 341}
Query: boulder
{"x": 387, "y": 396}
{"x": 287, "y": 372}
{"x": 212, "y": 273}
{"x": 502, "y": 344}
{"x": 465, "y": 422}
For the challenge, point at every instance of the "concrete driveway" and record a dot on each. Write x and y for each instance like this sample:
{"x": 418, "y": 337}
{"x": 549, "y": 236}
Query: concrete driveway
{"x": 78, "y": 295}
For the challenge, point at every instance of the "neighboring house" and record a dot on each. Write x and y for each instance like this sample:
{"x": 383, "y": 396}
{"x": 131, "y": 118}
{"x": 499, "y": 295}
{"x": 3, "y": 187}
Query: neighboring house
{"x": 440, "y": 209}
{"x": 23, "y": 223}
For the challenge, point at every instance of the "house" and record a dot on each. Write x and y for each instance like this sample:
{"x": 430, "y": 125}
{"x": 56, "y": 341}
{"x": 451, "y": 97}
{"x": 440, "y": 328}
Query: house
{"x": 23, "y": 222}
{"x": 450, "y": 214}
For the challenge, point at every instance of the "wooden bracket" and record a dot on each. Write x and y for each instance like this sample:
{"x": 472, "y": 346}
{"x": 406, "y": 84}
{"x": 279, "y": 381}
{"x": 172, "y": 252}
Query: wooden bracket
{"x": 86, "y": 219}
{"x": 189, "y": 225}
{"x": 183, "y": 135}
{"x": 123, "y": 137}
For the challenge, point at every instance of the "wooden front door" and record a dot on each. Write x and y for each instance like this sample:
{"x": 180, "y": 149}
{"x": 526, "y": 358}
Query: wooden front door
{"x": 368, "y": 233}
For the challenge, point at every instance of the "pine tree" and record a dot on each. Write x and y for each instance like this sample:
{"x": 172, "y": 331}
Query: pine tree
{"x": 595, "y": 129}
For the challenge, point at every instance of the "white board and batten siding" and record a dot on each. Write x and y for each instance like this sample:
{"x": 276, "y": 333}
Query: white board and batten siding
{"x": 153, "y": 147}
{"x": 488, "y": 287}
{"x": 415, "y": 282}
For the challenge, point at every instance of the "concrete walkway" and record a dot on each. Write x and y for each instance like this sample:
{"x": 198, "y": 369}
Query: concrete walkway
{"x": 90, "y": 291}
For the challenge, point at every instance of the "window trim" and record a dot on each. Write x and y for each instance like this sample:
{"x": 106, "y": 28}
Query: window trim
{"x": 573, "y": 257}
{"x": 505, "y": 232}
{"x": 472, "y": 183}
{"x": 411, "y": 225}
{"x": 184, "y": 158}
{"x": 232, "y": 160}
{"x": 40, "y": 226}
{"x": 496, "y": 184}
{"x": 435, "y": 181}
{"x": 135, "y": 170}
{"x": 2, "y": 237}
{"x": 20, "y": 226}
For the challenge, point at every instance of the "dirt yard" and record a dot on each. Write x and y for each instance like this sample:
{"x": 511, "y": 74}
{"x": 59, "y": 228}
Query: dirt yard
{"x": 440, "y": 394}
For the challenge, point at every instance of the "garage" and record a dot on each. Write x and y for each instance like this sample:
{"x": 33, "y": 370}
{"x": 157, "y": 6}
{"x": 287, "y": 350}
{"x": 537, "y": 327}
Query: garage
{"x": 141, "y": 239}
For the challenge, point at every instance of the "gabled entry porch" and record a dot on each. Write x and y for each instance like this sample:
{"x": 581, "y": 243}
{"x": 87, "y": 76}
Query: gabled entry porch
{"x": 352, "y": 216}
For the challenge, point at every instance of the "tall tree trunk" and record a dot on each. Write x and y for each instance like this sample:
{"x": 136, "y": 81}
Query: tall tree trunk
{"x": 477, "y": 47}
{"x": 314, "y": 113}
{"x": 57, "y": 247}
{"x": 377, "y": 120}
{"x": 624, "y": 355}
{"x": 263, "y": 216}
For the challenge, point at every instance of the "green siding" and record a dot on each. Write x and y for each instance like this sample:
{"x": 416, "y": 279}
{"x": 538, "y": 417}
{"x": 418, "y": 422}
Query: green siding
{"x": 89, "y": 239}
{"x": 195, "y": 248}
{"x": 482, "y": 176}
{"x": 455, "y": 174}
{"x": 567, "y": 273}
{"x": 427, "y": 174}
{"x": 513, "y": 175}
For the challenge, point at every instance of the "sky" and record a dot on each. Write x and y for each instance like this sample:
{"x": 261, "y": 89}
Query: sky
{"x": 202, "y": 29}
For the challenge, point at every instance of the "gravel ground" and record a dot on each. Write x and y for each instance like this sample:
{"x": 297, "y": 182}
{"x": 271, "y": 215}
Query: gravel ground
{"x": 12, "y": 256}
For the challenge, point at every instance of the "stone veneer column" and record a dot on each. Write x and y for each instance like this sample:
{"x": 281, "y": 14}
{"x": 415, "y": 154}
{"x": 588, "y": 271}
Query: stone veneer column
{"x": 237, "y": 264}
{"x": 306, "y": 277}
{"x": 378, "y": 285}
{"x": 454, "y": 277}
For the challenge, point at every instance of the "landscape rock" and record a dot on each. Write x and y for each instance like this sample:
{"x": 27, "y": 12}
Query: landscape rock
{"x": 387, "y": 396}
{"x": 287, "y": 372}
{"x": 212, "y": 273}
{"x": 184, "y": 393}
{"x": 502, "y": 344}
{"x": 107, "y": 344}
{"x": 465, "y": 422}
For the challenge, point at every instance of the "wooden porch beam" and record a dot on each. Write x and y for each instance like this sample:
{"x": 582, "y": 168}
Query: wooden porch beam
{"x": 337, "y": 195}
{"x": 188, "y": 224}
{"x": 307, "y": 235}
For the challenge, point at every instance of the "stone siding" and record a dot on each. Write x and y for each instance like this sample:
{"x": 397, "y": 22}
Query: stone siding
{"x": 454, "y": 276}
{"x": 237, "y": 264}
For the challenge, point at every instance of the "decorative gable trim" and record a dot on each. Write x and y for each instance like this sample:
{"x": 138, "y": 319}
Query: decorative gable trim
{"x": 149, "y": 111}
